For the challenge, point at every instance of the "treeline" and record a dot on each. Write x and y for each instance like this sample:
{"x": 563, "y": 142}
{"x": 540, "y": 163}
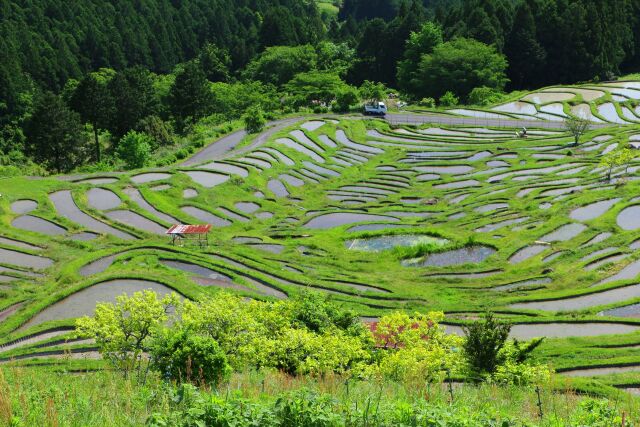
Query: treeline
{"x": 48, "y": 42}
{"x": 545, "y": 41}
{"x": 132, "y": 113}
{"x": 77, "y": 78}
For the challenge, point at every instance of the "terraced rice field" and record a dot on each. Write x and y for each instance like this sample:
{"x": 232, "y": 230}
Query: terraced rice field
{"x": 378, "y": 216}
{"x": 609, "y": 102}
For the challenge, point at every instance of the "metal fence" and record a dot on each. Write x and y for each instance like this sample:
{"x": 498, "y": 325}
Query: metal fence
{"x": 420, "y": 119}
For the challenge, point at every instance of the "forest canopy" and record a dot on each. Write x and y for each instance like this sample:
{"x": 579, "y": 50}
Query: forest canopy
{"x": 159, "y": 67}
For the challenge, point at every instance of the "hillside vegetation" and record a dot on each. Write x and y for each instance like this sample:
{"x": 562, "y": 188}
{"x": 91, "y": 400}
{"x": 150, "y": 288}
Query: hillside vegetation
{"x": 468, "y": 259}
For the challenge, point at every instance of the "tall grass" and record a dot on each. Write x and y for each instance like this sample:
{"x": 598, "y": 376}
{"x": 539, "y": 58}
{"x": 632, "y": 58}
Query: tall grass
{"x": 42, "y": 397}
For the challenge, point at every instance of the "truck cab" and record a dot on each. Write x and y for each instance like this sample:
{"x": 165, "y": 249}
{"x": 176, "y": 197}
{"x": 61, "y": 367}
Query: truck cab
{"x": 375, "y": 109}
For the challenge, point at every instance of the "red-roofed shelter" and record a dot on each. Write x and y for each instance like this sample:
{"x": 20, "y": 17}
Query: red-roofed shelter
{"x": 182, "y": 234}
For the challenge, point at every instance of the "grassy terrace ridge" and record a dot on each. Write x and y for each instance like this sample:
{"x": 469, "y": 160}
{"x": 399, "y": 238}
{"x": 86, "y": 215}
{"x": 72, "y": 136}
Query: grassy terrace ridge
{"x": 527, "y": 227}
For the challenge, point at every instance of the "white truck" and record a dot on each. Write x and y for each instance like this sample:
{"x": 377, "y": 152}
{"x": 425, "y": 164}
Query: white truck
{"x": 375, "y": 109}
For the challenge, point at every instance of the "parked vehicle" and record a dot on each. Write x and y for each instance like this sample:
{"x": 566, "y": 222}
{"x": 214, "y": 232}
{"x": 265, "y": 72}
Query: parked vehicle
{"x": 377, "y": 109}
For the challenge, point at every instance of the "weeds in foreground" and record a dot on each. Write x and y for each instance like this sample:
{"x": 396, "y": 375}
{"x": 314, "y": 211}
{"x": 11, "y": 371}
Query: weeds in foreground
{"x": 42, "y": 397}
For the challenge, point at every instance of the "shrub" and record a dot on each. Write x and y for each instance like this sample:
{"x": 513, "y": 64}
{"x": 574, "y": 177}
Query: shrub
{"x": 122, "y": 330}
{"x": 427, "y": 102}
{"x": 415, "y": 348}
{"x": 254, "y": 120}
{"x": 183, "y": 356}
{"x": 597, "y": 413}
{"x": 484, "y": 96}
{"x": 485, "y": 340}
{"x": 448, "y": 100}
{"x": 318, "y": 314}
{"x": 135, "y": 149}
{"x": 306, "y": 408}
{"x": 346, "y": 98}
{"x": 302, "y": 352}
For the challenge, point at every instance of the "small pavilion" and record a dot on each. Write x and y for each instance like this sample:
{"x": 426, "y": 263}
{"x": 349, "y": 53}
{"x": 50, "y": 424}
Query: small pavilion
{"x": 183, "y": 235}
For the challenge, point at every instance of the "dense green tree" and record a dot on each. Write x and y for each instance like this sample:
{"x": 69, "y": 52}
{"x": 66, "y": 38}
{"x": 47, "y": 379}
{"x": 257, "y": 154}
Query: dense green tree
{"x": 378, "y": 49}
{"x": 54, "y": 40}
{"x": 369, "y": 9}
{"x": 482, "y": 28}
{"x": 54, "y": 135}
{"x": 346, "y": 98}
{"x": 92, "y": 100}
{"x": 526, "y": 55}
{"x": 315, "y": 87}
{"x": 277, "y": 65}
{"x": 215, "y": 63}
{"x": 190, "y": 97}
{"x": 123, "y": 331}
{"x": 368, "y": 64}
{"x": 134, "y": 98}
{"x": 15, "y": 87}
{"x": 420, "y": 43}
{"x": 372, "y": 92}
{"x": 335, "y": 57}
{"x": 460, "y": 66}
{"x": 279, "y": 28}
{"x": 231, "y": 100}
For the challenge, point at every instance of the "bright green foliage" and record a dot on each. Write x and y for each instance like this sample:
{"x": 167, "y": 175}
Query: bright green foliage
{"x": 334, "y": 57}
{"x": 190, "y": 97}
{"x": 415, "y": 348}
{"x": 315, "y": 87}
{"x": 420, "y": 43}
{"x": 459, "y": 66}
{"x": 254, "y": 120}
{"x": 285, "y": 335}
{"x": 242, "y": 329}
{"x": 54, "y": 135}
{"x": 485, "y": 340}
{"x": 372, "y": 92}
{"x": 617, "y": 159}
{"x": 180, "y": 355}
{"x": 232, "y": 100}
{"x": 448, "y": 100}
{"x": 515, "y": 370}
{"x": 483, "y": 96}
{"x": 279, "y": 64}
{"x": 594, "y": 413}
{"x": 135, "y": 149}
{"x": 427, "y": 102}
{"x": 489, "y": 353}
{"x": 304, "y": 408}
{"x": 122, "y": 330}
{"x": 346, "y": 98}
{"x": 303, "y": 352}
